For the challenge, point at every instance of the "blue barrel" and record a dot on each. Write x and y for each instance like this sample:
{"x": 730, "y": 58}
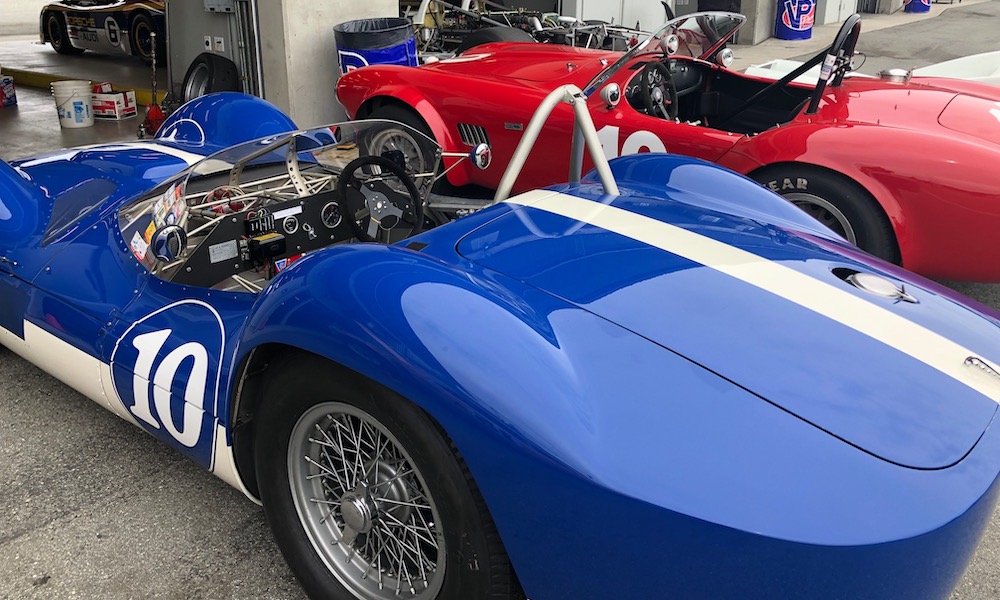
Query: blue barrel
{"x": 794, "y": 20}
{"x": 384, "y": 41}
{"x": 916, "y": 6}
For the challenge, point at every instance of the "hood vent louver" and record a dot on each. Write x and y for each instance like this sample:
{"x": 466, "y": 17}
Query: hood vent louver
{"x": 472, "y": 135}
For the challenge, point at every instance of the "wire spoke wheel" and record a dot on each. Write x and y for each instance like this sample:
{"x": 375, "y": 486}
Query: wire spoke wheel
{"x": 398, "y": 140}
{"x": 825, "y": 212}
{"x": 364, "y": 505}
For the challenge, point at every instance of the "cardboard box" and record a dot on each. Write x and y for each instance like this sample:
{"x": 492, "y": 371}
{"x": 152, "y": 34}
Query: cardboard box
{"x": 116, "y": 105}
{"x": 102, "y": 88}
{"x": 8, "y": 96}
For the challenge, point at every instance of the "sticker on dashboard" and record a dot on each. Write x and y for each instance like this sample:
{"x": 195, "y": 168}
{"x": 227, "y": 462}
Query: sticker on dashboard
{"x": 224, "y": 251}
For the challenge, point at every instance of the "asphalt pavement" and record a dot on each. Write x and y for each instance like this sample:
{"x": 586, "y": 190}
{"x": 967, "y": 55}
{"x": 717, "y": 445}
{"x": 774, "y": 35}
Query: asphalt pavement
{"x": 92, "y": 507}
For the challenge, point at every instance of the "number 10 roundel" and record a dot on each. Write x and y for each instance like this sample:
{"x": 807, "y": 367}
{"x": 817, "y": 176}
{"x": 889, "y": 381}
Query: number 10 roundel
{"x": 166, "y": 371}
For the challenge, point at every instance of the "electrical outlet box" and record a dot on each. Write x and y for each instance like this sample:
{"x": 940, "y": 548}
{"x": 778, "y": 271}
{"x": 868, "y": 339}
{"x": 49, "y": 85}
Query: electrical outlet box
{"x": 220, "y": 44}
{"x": 226, "y": 6}
{"x": 208, "y": 43}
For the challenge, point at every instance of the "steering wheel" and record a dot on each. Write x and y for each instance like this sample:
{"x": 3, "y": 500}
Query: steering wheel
{"x": 379, "y": 190}
{"x": 658, "y": 91}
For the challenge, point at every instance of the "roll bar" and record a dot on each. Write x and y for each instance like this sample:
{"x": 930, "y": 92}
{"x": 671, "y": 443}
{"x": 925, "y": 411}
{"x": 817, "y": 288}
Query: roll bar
{"x": 584, "y": 134}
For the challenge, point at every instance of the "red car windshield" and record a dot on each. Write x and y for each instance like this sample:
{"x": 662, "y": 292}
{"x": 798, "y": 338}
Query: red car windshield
{"x": 698, "y": 35}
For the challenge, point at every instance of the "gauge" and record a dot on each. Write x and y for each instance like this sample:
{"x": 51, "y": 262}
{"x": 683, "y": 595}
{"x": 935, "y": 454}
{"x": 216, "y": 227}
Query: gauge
{"x": 331, "y": 215}
{"x": 290, "y": 225}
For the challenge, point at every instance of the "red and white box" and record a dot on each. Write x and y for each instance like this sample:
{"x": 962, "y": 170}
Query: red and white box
{"x": 114, "y": 105}
{"x": 8, "y": 96}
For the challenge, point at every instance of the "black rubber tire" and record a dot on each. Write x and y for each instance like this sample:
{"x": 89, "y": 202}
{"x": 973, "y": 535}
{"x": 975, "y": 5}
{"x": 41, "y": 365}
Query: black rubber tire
{"x": 140, "y": 28}
{"x": 55, "y": 30}
{"x": 210, "y": 73}
{"x": 493, "y": 34}
{"x": 476, "y": 565}
{"x": 872, "y": 228}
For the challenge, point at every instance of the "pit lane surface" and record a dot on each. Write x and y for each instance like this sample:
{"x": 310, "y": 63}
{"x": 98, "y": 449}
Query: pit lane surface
{"x": 92, "y": 507}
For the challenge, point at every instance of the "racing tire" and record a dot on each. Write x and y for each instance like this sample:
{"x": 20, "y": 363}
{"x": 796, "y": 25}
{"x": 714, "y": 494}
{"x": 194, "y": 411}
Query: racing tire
{"x": 492, "y": 34}
{"x": 139, "y": 36}
{"x": 413, "y": 474}
{"x": 837, "y": 202}
{"x": 210, "y": 73}
{"x": 55, "y": 30}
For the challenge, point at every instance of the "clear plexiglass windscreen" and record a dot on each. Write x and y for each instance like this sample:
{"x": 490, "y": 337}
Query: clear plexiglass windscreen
{"x": 291, "y": 178}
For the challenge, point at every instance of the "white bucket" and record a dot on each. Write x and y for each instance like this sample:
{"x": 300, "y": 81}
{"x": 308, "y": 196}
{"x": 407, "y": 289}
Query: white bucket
{"x": 73, "y": 103}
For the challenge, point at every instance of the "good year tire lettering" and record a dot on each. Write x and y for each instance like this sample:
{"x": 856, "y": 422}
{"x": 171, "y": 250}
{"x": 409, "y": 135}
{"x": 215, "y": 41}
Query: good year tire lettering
{"x": 162, "y": 377}
{"x": 779, "y": 185}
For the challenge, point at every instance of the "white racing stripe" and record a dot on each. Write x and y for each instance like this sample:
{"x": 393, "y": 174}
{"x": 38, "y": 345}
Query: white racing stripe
{"x": 837, "y": 304}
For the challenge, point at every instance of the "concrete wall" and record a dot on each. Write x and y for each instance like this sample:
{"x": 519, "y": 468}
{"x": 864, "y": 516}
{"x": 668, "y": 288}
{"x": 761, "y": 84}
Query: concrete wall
{"x": 835, "y": 11}
{"x": 299, "y": 55}
{"x": 760, "y": 21}
{"x": 648, "y": 13}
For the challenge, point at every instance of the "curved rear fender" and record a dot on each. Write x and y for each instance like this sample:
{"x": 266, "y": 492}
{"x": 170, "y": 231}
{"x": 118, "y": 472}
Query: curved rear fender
{"x": 850, "y": 151}
{"x": 223, "y": 119}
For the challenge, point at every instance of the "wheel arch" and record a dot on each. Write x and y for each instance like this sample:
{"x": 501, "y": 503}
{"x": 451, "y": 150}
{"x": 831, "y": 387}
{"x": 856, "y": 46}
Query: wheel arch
{"x": 364, "y": 357}
{"x": 248, "y": 396}
{"x": 881, "y": 196}
{"x": 416, "y": 104}
{"x": 435, "y": 123}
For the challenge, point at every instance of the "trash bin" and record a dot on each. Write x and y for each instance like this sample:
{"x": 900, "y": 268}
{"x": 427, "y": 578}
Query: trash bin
{"x": 794, "y": 20}
{"x": 384, "y": 41}
{"x": 916, "y": 6}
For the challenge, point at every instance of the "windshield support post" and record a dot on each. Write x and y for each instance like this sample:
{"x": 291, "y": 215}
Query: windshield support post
{"x": 583, "y": 128}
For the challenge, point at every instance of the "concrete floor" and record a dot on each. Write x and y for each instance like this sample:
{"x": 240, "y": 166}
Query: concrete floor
{"x": 91, "y": 507}
{"x": 32, "y": 127}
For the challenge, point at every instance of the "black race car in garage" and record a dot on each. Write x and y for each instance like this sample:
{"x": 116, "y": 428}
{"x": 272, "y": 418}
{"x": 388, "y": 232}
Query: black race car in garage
{"x": 126, "y": 26}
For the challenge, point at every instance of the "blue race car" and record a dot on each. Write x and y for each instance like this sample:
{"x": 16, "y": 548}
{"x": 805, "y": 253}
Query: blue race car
{"x": 658, "y": 380}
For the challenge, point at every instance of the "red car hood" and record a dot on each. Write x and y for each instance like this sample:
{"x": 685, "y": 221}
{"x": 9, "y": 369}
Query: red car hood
{"x": 973, "y": 116}
{"x": 527, "y": 61}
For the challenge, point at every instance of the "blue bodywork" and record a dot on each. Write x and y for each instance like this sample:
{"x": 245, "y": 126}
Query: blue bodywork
{"x": 639, "y": 424}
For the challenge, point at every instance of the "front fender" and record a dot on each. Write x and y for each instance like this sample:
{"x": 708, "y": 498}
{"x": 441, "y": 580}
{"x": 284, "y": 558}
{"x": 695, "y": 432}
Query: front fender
{"x": 582, "y": 435}
{"x": 364, "y": 89}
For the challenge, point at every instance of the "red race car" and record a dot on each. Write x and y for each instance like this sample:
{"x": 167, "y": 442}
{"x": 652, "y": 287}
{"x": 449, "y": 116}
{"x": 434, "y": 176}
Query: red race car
{"x": 904, "y": 167}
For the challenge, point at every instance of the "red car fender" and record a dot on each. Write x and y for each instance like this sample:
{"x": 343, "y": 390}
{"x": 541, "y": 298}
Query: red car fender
{"x": 361, "y": 93}
{"x": 940, "y": 218}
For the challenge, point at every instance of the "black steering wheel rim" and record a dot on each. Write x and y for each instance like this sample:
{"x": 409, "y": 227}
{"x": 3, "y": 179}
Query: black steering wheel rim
{"x": 345, "y": 186}
{"x": 666, "y": 85}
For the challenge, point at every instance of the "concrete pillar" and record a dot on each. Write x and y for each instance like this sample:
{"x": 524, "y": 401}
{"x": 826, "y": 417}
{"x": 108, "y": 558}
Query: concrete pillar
{"x": 760, "y": 20}
{"x": 299, "y": 55}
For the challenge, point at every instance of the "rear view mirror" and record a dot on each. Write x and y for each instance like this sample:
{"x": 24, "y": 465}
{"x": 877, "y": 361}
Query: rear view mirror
{"x": 168, "y": 243}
